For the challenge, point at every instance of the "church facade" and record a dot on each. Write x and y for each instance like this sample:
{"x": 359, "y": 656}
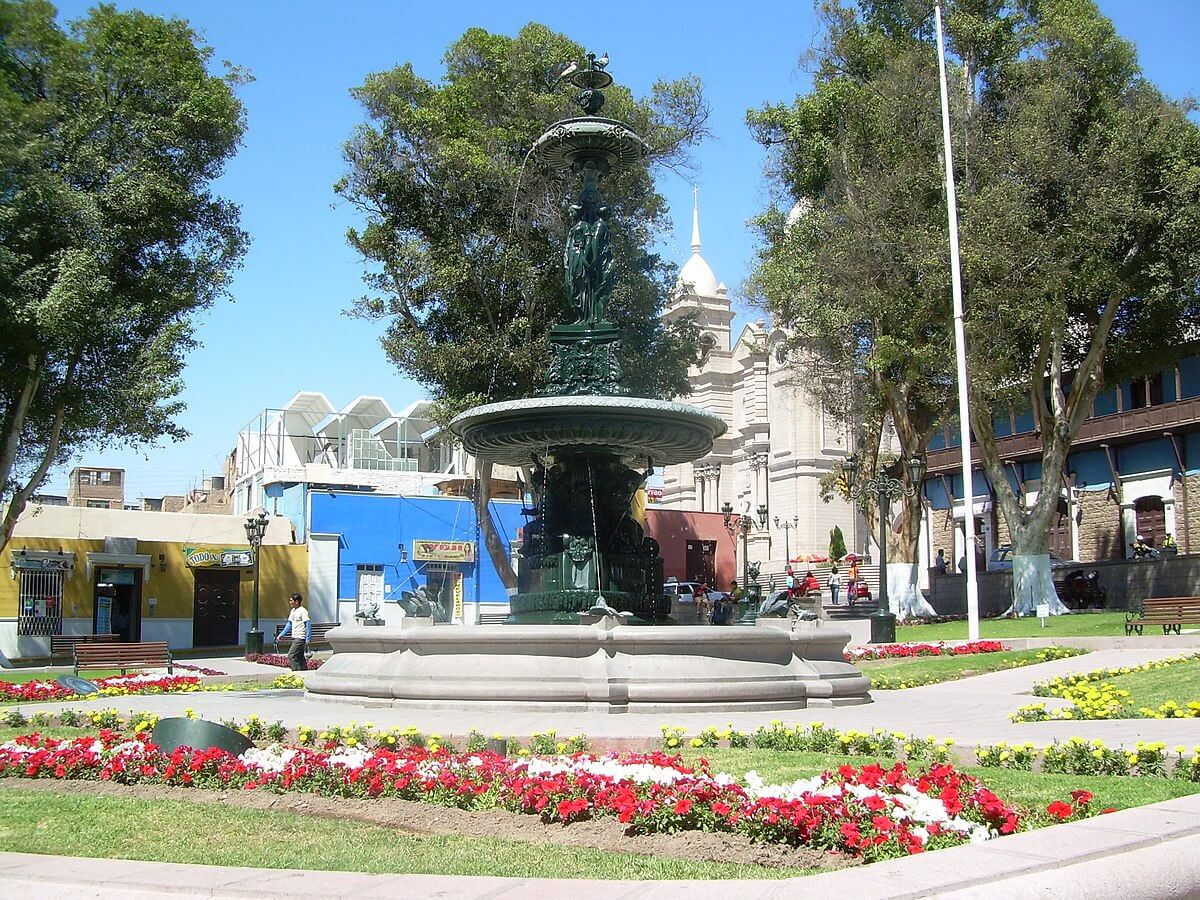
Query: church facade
{"x": 779, "y": 443}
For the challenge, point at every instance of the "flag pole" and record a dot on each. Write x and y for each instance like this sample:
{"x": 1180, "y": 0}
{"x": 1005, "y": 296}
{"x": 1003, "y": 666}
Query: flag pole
{"x": 960, "y": 347}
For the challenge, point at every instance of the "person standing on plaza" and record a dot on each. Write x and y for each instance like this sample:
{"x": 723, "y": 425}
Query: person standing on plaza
{"x": 940, "y": 563}
{"x": 299, "y": 626}
{"x": 835, "y": 585}
{"x": 701, "y": 599}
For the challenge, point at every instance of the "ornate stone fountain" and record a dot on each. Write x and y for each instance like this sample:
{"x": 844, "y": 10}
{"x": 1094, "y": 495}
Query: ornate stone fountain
{"x": 588, "y": 579}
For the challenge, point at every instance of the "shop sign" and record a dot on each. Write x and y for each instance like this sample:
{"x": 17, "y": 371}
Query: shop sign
{"x": 654, "y": 495}
{"x": 41, "y": 563}
{"x": 218, "y": 557}
{"x": 444, "y": 551}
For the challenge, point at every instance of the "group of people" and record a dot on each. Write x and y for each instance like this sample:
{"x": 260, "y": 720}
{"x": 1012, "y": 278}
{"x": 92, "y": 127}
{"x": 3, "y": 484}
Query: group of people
{"x": 716, "y": 607}
{"x": 1141, "y": 549}
{"x": 799, "y": 586}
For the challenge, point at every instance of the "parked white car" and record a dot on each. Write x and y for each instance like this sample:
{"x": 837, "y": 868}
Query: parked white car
{"x": 684, "y": 590}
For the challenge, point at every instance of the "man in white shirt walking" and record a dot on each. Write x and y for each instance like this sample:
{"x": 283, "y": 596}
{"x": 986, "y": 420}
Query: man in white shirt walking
{"x": 299, "y": 626}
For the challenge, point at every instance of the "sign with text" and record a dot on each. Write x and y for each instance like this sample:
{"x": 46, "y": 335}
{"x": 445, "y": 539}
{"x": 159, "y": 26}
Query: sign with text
{"x": 218, "y": 557}
{"x": 444, "y": 551}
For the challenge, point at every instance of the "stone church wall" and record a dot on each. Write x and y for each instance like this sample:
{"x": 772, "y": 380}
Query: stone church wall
{"x": 1101, "y": 534}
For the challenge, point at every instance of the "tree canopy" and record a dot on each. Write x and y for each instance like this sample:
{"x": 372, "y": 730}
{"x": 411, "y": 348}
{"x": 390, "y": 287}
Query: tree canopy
{"x": 856, "y": 271}
{"x": 463, "y": 233}
{"x": 1079, "y": 191}
{"x": 110, "y": 237}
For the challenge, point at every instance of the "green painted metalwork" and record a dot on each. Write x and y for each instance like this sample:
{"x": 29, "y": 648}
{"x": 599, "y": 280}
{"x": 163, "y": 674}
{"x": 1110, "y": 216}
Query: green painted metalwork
{"x": 585, "y": 552}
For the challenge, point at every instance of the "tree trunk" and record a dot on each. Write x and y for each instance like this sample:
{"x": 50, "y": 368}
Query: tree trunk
{"x": 904, "y": 593}
{"x": 496, "y": 549}
{"x": 1032, "y": 578}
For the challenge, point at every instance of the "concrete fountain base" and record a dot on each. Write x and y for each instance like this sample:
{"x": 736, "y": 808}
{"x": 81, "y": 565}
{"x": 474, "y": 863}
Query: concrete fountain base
{"x": 606, "y": 667}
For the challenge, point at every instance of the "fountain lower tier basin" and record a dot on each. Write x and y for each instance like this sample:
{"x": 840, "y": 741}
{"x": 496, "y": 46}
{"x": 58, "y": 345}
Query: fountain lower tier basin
{"x": 590, "y": 668}
{"x": 626, "y": 427}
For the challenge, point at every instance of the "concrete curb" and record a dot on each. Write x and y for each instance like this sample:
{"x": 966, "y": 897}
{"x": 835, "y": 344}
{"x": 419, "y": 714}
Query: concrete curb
{"x": 1151, "y": 851}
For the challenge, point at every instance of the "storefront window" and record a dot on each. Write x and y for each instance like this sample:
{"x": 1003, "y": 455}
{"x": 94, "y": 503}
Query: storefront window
{"x": 40, "y": 609}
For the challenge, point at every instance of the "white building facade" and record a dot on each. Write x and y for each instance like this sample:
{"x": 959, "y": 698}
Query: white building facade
{"x": 779, "y": 444}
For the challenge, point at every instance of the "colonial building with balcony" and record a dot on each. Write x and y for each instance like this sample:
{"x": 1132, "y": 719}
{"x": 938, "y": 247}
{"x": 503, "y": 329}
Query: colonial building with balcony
{"x": 1134, "y": 468}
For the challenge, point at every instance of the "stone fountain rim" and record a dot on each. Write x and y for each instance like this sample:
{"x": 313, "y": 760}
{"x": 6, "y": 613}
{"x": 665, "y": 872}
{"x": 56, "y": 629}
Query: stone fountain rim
{"x": 590, "y": 401}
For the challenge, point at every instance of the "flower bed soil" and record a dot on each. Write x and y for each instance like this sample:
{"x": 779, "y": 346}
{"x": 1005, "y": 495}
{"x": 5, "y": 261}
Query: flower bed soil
{"x": 414, "y": 817}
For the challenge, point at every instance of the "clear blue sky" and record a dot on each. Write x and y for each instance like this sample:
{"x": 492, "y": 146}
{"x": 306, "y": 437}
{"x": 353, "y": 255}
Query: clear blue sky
{"x": 285, "y": 330}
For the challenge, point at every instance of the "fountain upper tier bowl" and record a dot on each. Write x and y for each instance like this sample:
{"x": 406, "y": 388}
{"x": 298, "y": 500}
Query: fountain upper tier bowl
{"x": 627, "y": 427}
{"x": 590, "y": 137}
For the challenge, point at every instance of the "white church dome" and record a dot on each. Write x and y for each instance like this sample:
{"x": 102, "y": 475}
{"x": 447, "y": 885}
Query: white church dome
{"x": 802, "y": 208}
{"x": 697, "y": 275}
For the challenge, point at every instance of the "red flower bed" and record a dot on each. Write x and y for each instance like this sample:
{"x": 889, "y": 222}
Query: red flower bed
{"x": 901, "y": 651}
{"x": 870, "y": 811}
{"x": 115, "y": 686}
{"x": 278, "y": 659}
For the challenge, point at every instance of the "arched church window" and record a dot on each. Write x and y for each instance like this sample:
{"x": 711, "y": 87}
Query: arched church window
{"x": 707, "y": 343}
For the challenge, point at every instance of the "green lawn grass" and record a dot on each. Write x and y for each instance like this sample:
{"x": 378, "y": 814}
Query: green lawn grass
{"x": 888, "y": 674}
{"x": 1076, "y": 624}
{"x": 22, "y": 676}
{"x": 210, "y": 834}
{"x": 1027, "y": 789}
{"x": 1179, "y": 682}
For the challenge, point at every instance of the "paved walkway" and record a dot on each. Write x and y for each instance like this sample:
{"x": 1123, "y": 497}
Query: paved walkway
{"x": 972, "y": 711}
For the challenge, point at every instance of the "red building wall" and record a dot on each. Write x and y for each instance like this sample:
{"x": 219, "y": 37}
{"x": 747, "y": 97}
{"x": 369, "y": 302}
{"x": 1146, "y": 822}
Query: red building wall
{"x": 673, "y": 528}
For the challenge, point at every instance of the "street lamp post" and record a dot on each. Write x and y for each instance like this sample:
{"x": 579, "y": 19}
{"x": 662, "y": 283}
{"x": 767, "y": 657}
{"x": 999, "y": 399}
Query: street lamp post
{"x": 884, "y": 487}
{"x": 743, "y": 525}
{"x": 787, "y": 527}
{"x": 256, "y": 529}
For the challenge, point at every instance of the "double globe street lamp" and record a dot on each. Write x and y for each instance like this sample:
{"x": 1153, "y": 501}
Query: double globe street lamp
{"x": 884, "y": 487}
{"x": 787, "y": 529}
{"x": 256, "y": 530}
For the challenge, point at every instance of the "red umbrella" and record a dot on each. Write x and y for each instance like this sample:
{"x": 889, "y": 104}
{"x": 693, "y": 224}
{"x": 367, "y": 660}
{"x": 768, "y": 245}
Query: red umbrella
{"x": 811, "y": 558}
{"x": 851, "y": 557}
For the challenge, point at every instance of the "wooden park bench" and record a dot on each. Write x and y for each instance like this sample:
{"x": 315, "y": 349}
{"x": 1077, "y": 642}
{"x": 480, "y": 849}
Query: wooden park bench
{"x": 64, "y": 644}
{"x": 320, "y": 634}
{"x": 148, "y": 655}
{"x": 1170, "y": 612}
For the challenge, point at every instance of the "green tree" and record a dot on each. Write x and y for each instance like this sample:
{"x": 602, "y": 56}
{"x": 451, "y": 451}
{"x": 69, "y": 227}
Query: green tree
{"x": 463, "y": 234}
{"x": 110, "y": 239}
{"x": 1079, "y": 202}
{"x": 837, "y": 543}
{"x": 1081, "y": 187}
{"x": 856, "y": 272}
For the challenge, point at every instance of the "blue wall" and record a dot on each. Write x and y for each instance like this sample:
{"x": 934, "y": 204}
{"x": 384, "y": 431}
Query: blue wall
{"x": 373, "y": 528}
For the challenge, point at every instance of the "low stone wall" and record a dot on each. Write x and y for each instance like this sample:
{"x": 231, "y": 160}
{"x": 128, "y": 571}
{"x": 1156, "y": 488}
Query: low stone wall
{"x": 1125, "y": 581}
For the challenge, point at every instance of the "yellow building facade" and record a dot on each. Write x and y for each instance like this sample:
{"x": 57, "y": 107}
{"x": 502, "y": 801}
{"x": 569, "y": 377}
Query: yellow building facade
{"x": 145, "y": 576}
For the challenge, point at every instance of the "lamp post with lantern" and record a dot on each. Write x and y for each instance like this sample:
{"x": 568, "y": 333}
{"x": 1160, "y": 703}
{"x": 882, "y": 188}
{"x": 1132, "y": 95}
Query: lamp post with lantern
{"x": 256, "y": 530}
{"x": 743, "y": 525}
{"x": 884, "y": 487}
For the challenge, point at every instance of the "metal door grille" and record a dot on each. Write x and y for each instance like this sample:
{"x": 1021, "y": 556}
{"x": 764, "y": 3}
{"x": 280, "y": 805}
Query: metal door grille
{"x": 40, "y": 609}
